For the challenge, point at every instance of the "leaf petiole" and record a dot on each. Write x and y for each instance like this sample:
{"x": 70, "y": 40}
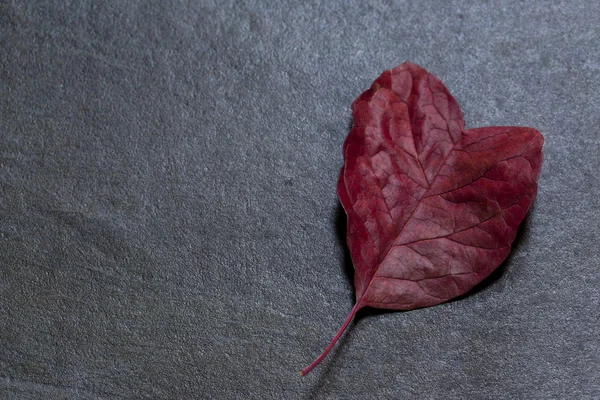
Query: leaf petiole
{"x": 335, "y": 339}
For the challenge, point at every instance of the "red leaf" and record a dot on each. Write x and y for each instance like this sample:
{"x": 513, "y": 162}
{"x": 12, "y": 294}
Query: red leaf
{"x": 432, "y": 208}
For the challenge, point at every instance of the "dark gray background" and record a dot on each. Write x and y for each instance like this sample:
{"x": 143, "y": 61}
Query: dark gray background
{"x": 168, "y": 220}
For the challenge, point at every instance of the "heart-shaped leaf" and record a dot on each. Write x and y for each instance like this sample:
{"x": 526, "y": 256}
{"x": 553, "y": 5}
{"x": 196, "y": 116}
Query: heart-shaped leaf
{"x": 432, "y": 208}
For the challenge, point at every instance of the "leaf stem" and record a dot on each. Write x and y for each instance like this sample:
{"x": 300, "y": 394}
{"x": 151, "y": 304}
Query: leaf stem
{"x": 335, "y": 339}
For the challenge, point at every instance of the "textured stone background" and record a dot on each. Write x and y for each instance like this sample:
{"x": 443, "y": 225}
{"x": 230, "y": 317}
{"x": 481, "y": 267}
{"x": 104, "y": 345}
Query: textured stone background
{"x": 168, "y": 220}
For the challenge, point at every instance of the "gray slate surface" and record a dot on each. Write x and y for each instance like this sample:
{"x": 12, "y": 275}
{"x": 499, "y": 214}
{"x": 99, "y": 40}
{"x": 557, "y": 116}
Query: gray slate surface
{"x": 169, "y": 227}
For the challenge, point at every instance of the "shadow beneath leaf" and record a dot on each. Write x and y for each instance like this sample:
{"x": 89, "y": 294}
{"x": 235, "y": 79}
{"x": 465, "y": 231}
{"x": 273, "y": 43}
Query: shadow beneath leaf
{"x": 340, "y": 230}
{"x": 350, "y": 124}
